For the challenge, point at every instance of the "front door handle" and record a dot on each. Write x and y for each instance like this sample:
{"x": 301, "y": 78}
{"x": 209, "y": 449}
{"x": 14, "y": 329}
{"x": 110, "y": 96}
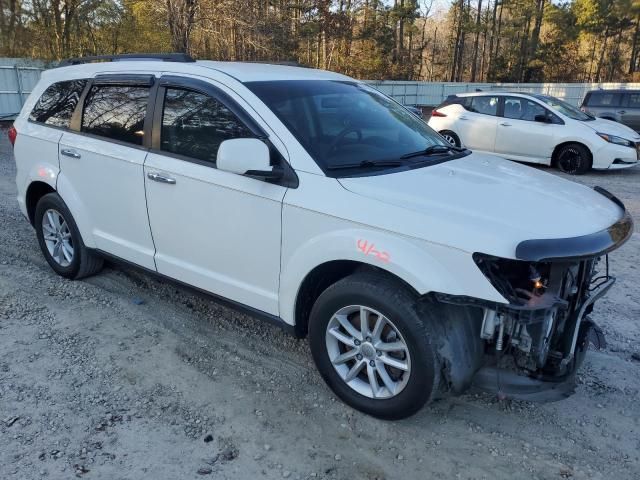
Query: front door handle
{"x": 505, "y": 124}
{"x": 156, "y": 177}
{"x": 622, "y": 112}
{"x": 70, "y": 153}
{"x": 463, "y": 118}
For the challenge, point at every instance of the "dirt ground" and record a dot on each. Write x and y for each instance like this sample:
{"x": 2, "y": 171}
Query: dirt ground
{"x": 120, "y": 376}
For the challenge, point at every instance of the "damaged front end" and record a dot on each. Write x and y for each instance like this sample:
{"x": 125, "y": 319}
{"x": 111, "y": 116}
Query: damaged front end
{"x": 532, "y": 346}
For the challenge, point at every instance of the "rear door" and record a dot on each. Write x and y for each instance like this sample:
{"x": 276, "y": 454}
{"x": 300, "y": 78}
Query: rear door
{"x": 630, "y": 112}
{"x": 520, "y": 137}
{"x": 477, "y": 125}
{"x": 102, "y": 160}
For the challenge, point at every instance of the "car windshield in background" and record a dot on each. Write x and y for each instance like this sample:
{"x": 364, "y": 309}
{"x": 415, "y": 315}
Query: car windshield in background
{"x": 565, "y": 108}
{"x": 346, "y": 126}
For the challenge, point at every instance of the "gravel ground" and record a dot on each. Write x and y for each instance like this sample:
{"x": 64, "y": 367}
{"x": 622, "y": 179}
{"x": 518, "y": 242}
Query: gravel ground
{"x": 120, "y": 376}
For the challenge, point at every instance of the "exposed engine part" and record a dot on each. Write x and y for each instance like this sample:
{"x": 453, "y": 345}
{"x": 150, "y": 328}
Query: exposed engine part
{"x": 500, "y": 339}
{"x": 489, "y": 324}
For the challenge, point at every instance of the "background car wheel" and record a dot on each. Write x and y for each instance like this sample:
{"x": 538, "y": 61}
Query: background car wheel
{"x": 371, "y": 346}
{"x": 451, "y": 137}
{"x": 574, "y": 159}
{"x": 60, "y": 240}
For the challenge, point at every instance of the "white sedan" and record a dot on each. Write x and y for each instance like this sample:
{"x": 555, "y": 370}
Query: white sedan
{"x": 537, "y": 129}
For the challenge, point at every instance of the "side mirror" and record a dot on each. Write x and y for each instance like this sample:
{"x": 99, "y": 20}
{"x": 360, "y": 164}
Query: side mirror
{"x": 247, "y": 156}
{"x": 542, "y": 119}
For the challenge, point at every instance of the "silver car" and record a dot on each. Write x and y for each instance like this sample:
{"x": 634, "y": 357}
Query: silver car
{"x": 620, "y": 105}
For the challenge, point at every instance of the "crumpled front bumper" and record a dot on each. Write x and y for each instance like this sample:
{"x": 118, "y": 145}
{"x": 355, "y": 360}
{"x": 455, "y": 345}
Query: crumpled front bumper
{"x": 510, "y": 384}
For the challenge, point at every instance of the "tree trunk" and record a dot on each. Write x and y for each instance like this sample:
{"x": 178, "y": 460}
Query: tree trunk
{"x": 535, "y": 36}
{"x": 633, "y": 62}
{"x": 474, "y": 64}
{"x": 602, "y": 52}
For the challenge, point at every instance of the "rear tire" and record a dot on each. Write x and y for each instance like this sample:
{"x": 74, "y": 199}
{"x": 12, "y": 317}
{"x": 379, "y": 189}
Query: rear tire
{"x": 573, "y": 159}
{"x": 451, "y": 137}
{"x": 60, "y": 240}
{"x": 400, "y": 356}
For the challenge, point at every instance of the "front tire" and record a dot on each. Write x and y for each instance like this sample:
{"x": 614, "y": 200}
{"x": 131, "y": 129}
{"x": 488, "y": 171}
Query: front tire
{"x": 573, "y": 159}
{"x": 60, "y": 240}
{"x": 385, "y": 366}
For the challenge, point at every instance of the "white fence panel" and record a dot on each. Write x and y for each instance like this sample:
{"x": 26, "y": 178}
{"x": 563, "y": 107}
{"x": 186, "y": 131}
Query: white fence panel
{"x": 433, "y": 93}
{"x": 19, "y": 76}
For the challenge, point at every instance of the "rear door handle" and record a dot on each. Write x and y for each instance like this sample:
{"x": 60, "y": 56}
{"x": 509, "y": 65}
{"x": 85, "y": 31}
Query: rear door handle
{"x": 505, "y": 124}
{"x": 463, "y": 118}
{"x": 622, "y": 112}
{"x": 156, "y": 177}
{"x": 67, "y": 152}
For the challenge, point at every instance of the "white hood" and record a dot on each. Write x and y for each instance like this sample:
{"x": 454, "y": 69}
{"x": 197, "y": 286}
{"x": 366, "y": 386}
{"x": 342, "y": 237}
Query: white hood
{"x": 484, "y": 203}
{"x": 602, "y": 125}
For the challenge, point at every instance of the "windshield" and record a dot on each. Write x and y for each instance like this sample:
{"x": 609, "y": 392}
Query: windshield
{"x": 565, "y": 108}
{"x": 346, "y": 125}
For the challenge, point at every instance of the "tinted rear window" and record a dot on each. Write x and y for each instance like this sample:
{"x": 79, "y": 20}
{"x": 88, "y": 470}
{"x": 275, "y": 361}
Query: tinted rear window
{"x": 116, "y": 112}
{"x": 604, "y": 99}
{"x": 56, "y": 105}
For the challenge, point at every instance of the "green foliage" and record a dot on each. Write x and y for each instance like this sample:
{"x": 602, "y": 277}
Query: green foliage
{"x": 508, "y": 40}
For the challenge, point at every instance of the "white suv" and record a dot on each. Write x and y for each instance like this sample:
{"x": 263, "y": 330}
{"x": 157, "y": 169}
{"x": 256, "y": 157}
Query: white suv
{"x": 537, "y": 129}
{"x": 311, "y": 200}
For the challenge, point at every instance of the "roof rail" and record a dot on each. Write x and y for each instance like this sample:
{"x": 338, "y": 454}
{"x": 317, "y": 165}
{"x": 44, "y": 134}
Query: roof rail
{"x": 286, "y": 63}
{"x": 163, "y": 57}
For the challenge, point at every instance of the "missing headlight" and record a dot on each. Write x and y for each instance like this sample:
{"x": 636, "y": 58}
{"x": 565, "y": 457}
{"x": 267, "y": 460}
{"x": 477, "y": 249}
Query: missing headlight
{"x": 516, "y": 280}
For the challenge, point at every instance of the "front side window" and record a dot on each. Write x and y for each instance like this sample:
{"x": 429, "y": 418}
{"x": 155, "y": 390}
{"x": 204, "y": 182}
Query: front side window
{"x": 195, "y": 124}
{"x": 633, "y": 100}
{"x": 116, "y": 112}
{"x": 518, "y": 108}
{"x": 604, "y": 99}
{"x": 56, "y": 105}
{"x": 564, "y": 108}
{"x": 346, "y": 125}
{"x": 486, "y": 105}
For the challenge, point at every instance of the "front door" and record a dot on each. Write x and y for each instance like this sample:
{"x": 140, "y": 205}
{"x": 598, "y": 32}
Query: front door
{"x": 520, "y": 137}
{"x": 212, "y": 229}
{"x": 102, "y": 164}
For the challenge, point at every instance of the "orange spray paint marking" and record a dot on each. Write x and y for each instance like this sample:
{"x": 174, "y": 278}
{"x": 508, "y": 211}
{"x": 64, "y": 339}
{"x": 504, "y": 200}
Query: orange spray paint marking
{"x": 369, "y": 249}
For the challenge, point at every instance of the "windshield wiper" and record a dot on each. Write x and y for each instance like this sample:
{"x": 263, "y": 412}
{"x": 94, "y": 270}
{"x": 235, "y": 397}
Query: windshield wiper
{"x": 366, "y": 164}
{"x": 432, "y": 149}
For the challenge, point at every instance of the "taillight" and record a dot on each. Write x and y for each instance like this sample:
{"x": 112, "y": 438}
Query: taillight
{"x": 13, "y": 134}
{"x": 436, "y": 113}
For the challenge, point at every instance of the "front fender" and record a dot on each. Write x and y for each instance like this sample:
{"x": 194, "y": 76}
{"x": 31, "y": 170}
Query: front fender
{"x": 427, "y": 267}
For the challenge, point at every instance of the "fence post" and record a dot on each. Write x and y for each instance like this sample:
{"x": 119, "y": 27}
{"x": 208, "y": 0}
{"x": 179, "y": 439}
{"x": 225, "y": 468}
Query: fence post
{"x": 19, "y": 83}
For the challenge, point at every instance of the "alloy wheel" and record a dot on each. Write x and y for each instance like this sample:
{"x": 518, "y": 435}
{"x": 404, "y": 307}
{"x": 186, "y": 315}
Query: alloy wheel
{"x": 449, "y": 138}
{"x": 57, "y": 237}
{"x": 368, "y": 352}
{"x": 570, "y": 160}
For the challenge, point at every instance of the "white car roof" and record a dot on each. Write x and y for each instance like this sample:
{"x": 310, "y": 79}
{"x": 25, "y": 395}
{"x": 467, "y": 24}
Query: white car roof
{"x": 493, "y": 92}
{"x": 241, "y": 71}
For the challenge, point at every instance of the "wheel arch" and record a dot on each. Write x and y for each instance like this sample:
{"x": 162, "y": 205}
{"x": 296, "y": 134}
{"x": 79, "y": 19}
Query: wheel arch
{"x": 35, "y": 191}
{"x": 558, "y": 147}
{"x": 323, "y": 276}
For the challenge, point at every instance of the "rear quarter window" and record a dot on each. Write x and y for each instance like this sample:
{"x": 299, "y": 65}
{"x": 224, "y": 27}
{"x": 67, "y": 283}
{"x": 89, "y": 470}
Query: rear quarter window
{"x": 56, "y": 105}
